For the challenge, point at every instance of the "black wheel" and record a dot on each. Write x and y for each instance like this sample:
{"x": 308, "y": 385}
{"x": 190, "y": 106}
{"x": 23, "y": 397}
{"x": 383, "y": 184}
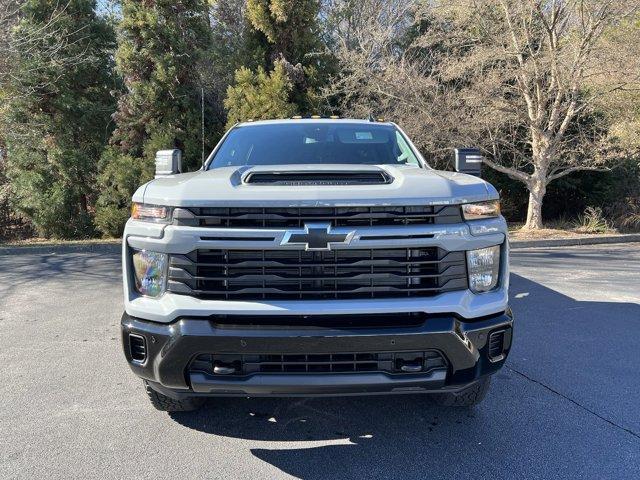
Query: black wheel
{"x": 168, "y": 404}
{"x": 472, "y": 395}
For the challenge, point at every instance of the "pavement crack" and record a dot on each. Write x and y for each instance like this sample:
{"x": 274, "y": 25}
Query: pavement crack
{"x": 578, "y": 404}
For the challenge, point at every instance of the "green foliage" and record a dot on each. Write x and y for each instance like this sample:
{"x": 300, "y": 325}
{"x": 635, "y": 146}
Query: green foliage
{"x": 64, "y": 173}
{"x": 287, "y": 32}
{"x": 289, "y": 26}
{"x": 592, "y": 221}
{"x": 259, "y": 95}
{"x": 234, "y": 44}
{"x": 628, "y": 217}
{"x": 160, "y": 46}
{"x": 56, "y": 117}
{"x": 120, "y": 176}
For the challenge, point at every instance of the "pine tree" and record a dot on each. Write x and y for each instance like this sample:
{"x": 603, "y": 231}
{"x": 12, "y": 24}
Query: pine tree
{"x": 161, "y": 43}
{"x": 289, "y": 26}
{"x": 260, "y": 95}
{"x": 56, "y": 115}
{"x": 288, "y": 38}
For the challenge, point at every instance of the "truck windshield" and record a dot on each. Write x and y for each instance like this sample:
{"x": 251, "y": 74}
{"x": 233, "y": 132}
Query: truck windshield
{"x": 314, "y": 143}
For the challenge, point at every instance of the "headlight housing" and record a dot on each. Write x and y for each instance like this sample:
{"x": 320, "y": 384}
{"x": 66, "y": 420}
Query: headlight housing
{"x": 479, "y": 210}
{"x": 150, "y": 213}
{"x": 483, "y": 266}
{"x": 150, "y": 272}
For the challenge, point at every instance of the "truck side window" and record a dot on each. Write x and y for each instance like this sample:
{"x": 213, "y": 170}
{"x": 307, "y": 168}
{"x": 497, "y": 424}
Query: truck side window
{"x": 406, "y": 155}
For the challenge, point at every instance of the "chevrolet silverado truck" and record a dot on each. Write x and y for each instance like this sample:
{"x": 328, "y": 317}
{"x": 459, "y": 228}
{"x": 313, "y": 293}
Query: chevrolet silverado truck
{"x": 312, "y": 257}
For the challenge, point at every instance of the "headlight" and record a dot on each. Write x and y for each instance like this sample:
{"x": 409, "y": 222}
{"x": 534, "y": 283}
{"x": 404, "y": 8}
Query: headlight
{"x": 475, "y": 211}
{"x": 150, "y": 213}
{"x": 150, "y": 272}
{"x": 484, "y": 268}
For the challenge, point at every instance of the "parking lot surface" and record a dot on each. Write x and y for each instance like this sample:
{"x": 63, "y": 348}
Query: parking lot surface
{"x": 565, "y": 406}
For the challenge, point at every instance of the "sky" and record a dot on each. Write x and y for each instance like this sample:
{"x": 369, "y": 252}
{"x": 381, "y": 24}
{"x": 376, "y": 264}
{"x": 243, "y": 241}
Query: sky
{"x": 106, "y": 7}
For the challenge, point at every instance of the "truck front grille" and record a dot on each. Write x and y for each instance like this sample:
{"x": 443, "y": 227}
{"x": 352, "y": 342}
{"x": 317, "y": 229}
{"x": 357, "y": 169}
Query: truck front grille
{"x": 308, "y": 275}
{"x": 297, "y": 217}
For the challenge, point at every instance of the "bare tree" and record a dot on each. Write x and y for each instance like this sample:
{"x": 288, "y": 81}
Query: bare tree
{"x": 9, "y": 11}
{"x": 379, "y": 74}
{"x": 554, "y": 50}
{"x": 520, "y": 78}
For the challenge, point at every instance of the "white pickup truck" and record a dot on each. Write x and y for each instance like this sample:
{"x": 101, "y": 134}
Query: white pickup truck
{"x": 315, "y": 257}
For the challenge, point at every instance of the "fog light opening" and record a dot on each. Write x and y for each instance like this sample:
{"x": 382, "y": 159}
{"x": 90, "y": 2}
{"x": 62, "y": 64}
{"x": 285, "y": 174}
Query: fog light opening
{"x": 137, "y": 348}
{"x": 496, "y": 346}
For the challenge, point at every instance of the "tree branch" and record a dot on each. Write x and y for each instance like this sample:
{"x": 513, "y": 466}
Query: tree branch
{"x": 569, "y": 170}
{"x": 511, "y": 172}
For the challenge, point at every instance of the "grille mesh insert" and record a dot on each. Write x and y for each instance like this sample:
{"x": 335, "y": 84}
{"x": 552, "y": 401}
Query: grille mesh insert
{"x": 303, "y": 275}
{"x": 275, "y": 217}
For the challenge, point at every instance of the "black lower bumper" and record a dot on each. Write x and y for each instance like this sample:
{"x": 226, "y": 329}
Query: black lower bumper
{"x": 163, "y": 354}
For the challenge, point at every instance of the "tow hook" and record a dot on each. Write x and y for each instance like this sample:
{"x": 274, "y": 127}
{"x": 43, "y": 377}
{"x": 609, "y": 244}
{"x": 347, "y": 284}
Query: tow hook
{"x": 411, "y": 367}
{"x": 222, "y": 369}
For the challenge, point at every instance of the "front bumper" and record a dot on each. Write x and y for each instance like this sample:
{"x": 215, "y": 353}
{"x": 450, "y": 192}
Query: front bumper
{"x": 171, "y": 348}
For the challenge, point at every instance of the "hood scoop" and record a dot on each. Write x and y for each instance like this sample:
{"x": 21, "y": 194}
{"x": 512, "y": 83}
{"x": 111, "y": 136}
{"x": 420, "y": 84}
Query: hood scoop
{"x": 319, "y": 177}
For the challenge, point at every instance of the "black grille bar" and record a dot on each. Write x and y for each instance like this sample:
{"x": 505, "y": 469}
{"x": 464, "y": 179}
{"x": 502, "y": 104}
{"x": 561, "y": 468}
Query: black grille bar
{"x": 299, "y": 274}
{"x": 389, "y": 362}
{"x": 297, "y": 217}
{"x": 368, "y": 320}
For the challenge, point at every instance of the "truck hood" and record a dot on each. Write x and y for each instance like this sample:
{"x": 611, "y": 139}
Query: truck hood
{"x": 408, "y": 185}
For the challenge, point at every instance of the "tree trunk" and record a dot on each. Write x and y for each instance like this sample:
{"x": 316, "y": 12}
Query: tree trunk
{"x": 537, "y": 190}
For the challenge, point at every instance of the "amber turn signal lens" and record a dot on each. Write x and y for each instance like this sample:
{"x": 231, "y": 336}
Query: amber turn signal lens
{"x": 149, "y": 213}
{"x": 476, "y": 211}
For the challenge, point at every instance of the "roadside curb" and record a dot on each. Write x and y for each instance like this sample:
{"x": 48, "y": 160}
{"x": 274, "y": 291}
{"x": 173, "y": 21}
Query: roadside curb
{"x": 111, "y": 248}
{"x": 576, "y": 241}
{"x": 106, "y": 248}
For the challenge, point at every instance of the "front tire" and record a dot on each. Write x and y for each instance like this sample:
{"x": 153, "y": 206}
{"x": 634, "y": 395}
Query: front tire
{"x": 467, "y": 397}
{"x": 167, "y": 404}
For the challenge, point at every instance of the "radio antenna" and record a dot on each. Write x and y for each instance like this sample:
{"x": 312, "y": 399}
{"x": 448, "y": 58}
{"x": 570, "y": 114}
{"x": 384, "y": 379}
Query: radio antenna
{"x": 202, "y": 119}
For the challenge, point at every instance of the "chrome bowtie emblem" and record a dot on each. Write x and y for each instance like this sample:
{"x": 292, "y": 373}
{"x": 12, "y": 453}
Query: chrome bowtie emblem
{"x": 317, "y": 236}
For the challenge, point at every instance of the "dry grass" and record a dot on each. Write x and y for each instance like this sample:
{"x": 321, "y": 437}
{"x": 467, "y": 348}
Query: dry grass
{"x": 44, "y": 242}
{"x": 588, "y": 224}
{"x": 545, "y": 233}
{"x": 516, "y": 232}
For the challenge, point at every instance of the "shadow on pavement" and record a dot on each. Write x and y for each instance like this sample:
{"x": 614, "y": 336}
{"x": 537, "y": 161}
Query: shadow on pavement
{"x": 360, "y": 437}
{"x": 88, "y": 268}
{"x": 526, "y": 427}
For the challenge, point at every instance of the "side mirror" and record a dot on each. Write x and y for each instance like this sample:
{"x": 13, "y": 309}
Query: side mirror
{"x": 469, "y": 161}
{"x": 168, "y": 162}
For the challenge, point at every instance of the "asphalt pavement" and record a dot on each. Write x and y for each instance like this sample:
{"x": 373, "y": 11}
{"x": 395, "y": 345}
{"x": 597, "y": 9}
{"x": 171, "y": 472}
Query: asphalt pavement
{"x": 566, "y": 405}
